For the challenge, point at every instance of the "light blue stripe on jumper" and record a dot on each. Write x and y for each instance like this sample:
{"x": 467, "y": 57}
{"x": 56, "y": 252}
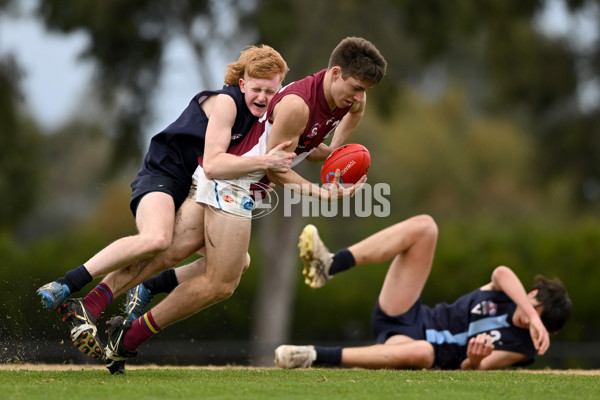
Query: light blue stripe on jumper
{"x": 482, "y": 325}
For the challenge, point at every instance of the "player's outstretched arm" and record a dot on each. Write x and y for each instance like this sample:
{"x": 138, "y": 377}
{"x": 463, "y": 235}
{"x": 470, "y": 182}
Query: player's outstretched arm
{"x": 332, "y": 192}
{"x": 290, "y": 119}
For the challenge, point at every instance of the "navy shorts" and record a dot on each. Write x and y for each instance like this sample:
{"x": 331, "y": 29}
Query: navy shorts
{"x": 144, "y": 184}
{"x": 412, "y": 324}
{"x": 409, "y": 324}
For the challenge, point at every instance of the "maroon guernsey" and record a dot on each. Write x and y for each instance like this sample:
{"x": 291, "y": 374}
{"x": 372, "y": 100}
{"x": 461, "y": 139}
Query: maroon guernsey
{"x": 322, "y": 122}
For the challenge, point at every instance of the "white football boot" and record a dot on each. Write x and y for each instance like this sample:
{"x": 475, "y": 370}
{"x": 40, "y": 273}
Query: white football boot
{"x": 287, "y": 356}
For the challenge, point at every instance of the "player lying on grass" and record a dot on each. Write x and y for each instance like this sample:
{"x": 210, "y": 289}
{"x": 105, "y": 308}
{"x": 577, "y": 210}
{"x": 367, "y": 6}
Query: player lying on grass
{"x": 495, "y": 326}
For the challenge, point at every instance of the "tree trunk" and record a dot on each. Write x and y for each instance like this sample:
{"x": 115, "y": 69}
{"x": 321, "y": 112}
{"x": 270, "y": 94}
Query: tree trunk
{"x": 276, "y": 291}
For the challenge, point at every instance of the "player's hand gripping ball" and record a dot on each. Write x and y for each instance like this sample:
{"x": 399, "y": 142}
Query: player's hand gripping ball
{"x": 353, "y": 161}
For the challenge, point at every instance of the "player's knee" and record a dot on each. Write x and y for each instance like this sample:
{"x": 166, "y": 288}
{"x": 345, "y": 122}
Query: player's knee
{"x": 421, "y": 355}
{"x": 180, "y": 249}
{"x": 224, "y": 286}
{"x": 156, "y": 243}
{"x": 426, "y": 226}
{"x": 191, "y": 244}
{"x": 224, "y": 290}
{"x": 246, "y": 263}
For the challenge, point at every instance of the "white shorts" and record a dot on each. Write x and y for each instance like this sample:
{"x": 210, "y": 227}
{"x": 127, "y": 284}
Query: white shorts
{"x": 230, "y": 195}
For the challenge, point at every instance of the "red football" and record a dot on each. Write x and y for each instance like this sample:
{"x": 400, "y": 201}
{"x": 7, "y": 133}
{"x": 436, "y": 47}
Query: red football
{"x": 353, "y": 161}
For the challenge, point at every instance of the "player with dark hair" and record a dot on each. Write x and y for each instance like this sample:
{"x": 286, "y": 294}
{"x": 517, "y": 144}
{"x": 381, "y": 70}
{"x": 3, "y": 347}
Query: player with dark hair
{"x": 299, "y": 117}
{"x": 495, "y": 326}
{"x": 163, "y": 182}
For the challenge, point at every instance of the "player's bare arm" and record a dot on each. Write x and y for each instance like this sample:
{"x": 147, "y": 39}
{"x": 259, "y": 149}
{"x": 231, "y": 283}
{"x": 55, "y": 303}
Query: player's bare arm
{"x": 221, "y": 111}
{"x": 497, "y": 359}
{"x": 320, "y": 153}
{"x": 290, "y": 117}
{"x": 478, "y": 348}
{"x": 505, "y": 280}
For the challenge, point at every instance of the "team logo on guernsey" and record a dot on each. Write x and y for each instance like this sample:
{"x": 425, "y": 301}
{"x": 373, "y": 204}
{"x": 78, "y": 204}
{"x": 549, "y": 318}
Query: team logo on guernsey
{"x": 486, "y": 307}
{"x": 492, "y": 308}
{"x": 313, "y": 132}
{"x": 228, "y": 199}
{"x": 306, "y": 140}
{"x": 236, "y": 136}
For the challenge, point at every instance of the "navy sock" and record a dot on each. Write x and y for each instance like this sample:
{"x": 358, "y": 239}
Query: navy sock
{"x": 76, "y": 278}
{"x": 164, "y": 282}
{"x": 328, "y": 355}
{"x": 342, "y": 260}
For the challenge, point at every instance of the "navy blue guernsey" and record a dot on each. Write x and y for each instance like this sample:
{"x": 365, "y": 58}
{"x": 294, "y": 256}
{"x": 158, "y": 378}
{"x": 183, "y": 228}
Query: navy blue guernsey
{"x": 174, "y": 152}
{"x": 448, "y": 327}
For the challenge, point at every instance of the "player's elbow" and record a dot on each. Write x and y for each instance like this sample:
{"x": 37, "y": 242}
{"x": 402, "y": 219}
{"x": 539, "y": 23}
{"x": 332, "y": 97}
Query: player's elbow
{"x": 209, "y": 170}
{"x": 500, "y": 272}
{"x": 213, "y": 164}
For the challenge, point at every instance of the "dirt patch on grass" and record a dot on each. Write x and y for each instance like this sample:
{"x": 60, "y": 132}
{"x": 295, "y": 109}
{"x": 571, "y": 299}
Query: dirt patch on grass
{"x": 84, "y": 367}
{"x": 562, "y": 371}
{"x": 89, "y": 367}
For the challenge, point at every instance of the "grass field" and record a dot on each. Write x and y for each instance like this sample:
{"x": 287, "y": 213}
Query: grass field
{"x": 271, "y": 383}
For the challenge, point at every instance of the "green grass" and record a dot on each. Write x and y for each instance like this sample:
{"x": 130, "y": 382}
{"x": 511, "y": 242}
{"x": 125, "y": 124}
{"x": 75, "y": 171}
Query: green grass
{"x": 270, "y": 383}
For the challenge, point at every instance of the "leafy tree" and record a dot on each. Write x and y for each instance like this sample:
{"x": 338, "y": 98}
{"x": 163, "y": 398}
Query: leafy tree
{"x": 492, "y": 48}
{"x": 127, "y": 41}
{"x": 20, "y": 151}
